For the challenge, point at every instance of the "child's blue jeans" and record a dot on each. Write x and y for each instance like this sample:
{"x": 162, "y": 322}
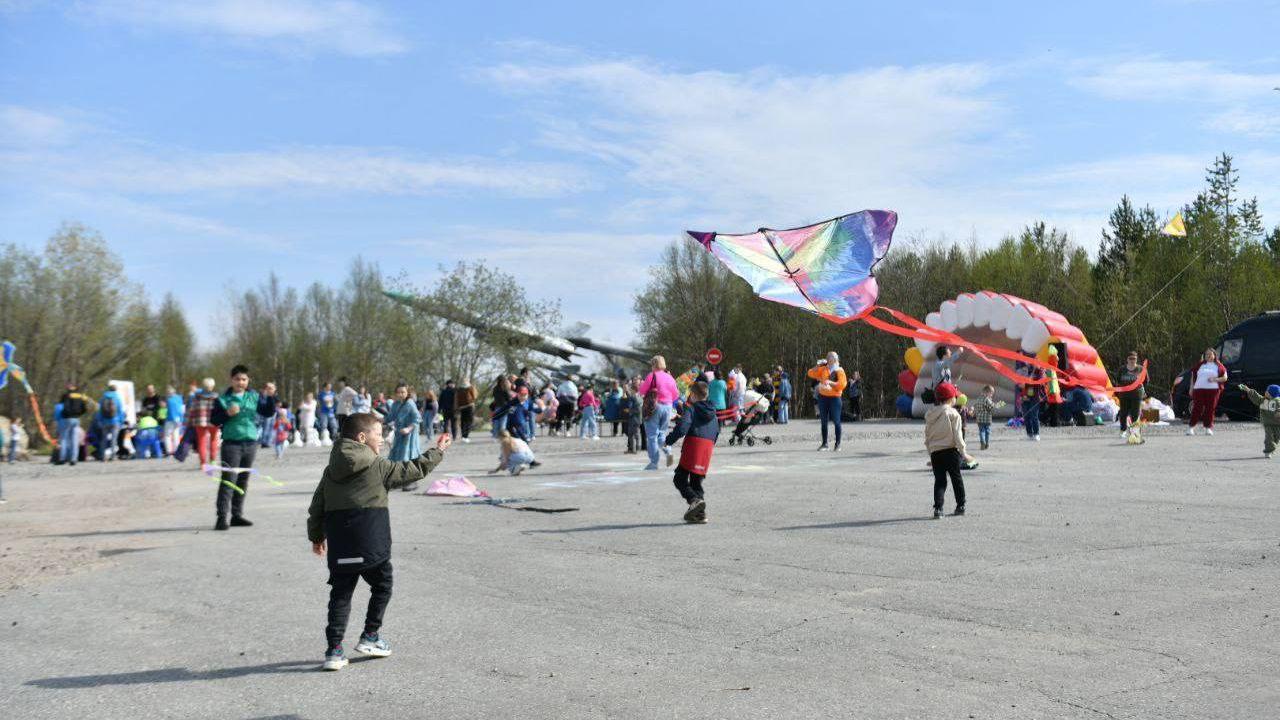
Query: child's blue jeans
{"x": 984, "y": 433}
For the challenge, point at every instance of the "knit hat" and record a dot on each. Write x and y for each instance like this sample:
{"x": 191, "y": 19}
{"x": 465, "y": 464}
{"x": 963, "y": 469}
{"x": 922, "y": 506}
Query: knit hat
{"x": 1273, "y": 391}
{"x": 945, "y": 392}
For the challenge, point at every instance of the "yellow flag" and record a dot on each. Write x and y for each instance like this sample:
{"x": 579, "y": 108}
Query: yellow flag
{"x": 1175, "y": 227}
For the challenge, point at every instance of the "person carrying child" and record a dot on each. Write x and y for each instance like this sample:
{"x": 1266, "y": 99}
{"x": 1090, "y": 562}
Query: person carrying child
{"x": 349, "y": 521}
{"x": 700, "y": 429}
{"x": 947, "y": 451}
{"x": 1268, "y": 415}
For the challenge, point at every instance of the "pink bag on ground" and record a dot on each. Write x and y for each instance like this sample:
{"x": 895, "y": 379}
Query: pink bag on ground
{"x": 455, "y": 486}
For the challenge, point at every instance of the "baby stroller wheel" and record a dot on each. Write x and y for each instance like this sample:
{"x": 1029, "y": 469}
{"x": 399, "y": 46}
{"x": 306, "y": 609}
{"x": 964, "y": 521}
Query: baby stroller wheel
{"x": 751, "y": 442}
{"x": 768, "y": 441}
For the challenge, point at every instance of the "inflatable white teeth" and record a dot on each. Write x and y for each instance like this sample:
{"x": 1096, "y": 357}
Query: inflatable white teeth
{"x": 1011, "y": 323}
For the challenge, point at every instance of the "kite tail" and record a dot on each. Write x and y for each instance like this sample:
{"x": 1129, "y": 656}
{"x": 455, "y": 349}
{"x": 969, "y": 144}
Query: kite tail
{"x": 35, "y": 410}
{"x": 919, "y": 331}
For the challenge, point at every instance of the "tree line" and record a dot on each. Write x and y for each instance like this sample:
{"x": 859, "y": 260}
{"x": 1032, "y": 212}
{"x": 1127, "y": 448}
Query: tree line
{"x": 75, "y": 316}
{"x": 1165, "y": 296}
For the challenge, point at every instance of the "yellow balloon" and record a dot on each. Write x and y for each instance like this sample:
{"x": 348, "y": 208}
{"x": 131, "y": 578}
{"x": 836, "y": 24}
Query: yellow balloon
{"x": 913, "y": 359}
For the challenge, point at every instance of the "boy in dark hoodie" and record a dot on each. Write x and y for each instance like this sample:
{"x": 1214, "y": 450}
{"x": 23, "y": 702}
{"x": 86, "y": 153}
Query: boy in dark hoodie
{"x": 700, "y": 429}
{"x": 349, "y": 519}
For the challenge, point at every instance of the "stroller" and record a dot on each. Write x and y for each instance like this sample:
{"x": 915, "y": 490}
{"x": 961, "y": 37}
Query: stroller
{"x": 743, "y": 433}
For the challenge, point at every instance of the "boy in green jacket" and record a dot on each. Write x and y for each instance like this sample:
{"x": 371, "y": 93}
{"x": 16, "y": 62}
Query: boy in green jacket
{"x": 349, "y": 520}
{"x": 1268, "y": 415}
{"x": 240, "y": 413}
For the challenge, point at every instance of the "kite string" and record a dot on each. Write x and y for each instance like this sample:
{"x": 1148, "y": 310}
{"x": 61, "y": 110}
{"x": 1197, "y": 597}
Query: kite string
{"x": 920, "y": 331}
{"x": 1151, "y": 299}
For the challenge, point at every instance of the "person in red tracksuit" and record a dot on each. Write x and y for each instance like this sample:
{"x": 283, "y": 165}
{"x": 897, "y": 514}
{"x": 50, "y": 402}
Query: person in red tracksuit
{"x": 700, "y": 429}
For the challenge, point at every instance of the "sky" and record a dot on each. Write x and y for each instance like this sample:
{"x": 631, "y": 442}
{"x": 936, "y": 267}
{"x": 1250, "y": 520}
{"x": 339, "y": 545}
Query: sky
{"x": 215, "y": 142}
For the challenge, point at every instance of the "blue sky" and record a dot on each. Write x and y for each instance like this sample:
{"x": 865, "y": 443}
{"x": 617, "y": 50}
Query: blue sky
{"x": 565, "y": 142}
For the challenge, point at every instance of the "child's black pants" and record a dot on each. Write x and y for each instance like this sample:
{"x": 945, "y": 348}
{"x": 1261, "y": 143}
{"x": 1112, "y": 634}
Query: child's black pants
{"x": 689, "y": 484}
{"x": 343, "y": 585}
{"x": 946, "y": 462}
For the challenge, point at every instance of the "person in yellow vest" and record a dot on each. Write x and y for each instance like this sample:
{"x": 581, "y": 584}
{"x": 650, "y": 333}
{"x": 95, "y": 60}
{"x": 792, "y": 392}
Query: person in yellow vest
{"x": 831, "y": 383}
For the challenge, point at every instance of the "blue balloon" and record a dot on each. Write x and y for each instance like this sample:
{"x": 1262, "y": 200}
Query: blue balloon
{"x": 903, "y": 404}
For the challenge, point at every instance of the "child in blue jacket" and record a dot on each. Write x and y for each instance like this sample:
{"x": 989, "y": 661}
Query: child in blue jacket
{"x": 700, "y": 429}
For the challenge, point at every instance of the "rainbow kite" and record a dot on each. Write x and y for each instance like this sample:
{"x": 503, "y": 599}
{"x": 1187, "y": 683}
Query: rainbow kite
{"x": 823, "y": 268}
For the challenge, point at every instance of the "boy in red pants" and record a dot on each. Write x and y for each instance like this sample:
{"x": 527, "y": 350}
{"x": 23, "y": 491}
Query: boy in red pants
{"x": 700, "y": 429}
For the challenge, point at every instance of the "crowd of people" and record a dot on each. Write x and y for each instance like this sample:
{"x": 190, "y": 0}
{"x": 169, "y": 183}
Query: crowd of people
{"x": 348, "y": 517}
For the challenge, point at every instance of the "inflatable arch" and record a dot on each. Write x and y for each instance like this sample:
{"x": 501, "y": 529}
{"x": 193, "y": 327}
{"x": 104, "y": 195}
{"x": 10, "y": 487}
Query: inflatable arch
{"x": 1009, "y": 322}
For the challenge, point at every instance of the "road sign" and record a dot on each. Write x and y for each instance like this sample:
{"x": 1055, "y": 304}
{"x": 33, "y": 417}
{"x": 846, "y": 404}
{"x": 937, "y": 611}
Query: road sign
{"x": 714, "y": 356}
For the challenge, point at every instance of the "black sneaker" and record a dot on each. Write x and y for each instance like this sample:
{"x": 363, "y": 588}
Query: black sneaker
{"x": 697, "y": 509}
{"x": 410, "y": 487}
{"x": 241, "y": 522}
{"x": 221, "y": 524}
{"x": 534, "y": 464}
{"x": 959, "y": 510}
{"x": 937, "y": 513}
{"x": 836, "y": 448}
{"x": 822, "y": 447}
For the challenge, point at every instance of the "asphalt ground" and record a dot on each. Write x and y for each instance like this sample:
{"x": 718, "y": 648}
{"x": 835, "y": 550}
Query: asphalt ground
{"x": 1089, "y": 579}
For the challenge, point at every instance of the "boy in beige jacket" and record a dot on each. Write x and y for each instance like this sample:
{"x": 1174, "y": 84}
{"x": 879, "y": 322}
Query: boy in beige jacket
{"x": 944, "y": 438}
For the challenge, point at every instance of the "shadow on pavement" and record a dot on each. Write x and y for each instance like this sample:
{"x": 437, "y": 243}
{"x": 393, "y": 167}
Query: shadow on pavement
{"x": 597, "y": 528}
{"x": 139, "y": 531}
{"x": 147, "y": 677}
{"x": 857, "y": 523}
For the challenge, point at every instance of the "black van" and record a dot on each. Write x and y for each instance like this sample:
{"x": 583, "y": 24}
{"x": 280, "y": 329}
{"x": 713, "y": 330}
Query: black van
{"x": 1251, "y": 353}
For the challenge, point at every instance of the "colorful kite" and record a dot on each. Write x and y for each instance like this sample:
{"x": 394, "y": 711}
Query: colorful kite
{"x": 824, "y": 268}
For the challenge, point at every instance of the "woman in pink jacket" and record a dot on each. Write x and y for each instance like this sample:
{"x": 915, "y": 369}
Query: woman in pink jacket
{"x": 659, "y": 393}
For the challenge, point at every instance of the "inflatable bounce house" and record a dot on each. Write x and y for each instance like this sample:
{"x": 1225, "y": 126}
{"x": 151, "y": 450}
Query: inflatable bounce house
{"x": 1003, "y": 321}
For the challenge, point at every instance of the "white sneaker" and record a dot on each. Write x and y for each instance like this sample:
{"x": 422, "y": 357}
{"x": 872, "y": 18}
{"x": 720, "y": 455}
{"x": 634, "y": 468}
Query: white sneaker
{"x": 1266, "y": 456}
{"x": 1208, "y": 431}
{"x": 1036, "y": 438}
{"x": 466, "y": 441}
{"x": 1191, "y": 431}
{"x": 595, "y": 437}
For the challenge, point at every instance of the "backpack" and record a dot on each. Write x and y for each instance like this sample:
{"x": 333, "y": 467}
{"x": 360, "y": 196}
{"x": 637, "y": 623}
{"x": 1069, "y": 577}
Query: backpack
{"x": 109, "y": 408}
{"x": 73, "y": 407}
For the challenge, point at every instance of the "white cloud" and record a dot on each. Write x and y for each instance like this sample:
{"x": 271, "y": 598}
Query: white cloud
{"x": 312, "y": 169}
{"x": 759, "y": 146}
{"x": 343, "y": 26}
{"x": 1251, "y": 123}
{"x": 1180, "y": 81}
{"x": 22, "y": 127}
